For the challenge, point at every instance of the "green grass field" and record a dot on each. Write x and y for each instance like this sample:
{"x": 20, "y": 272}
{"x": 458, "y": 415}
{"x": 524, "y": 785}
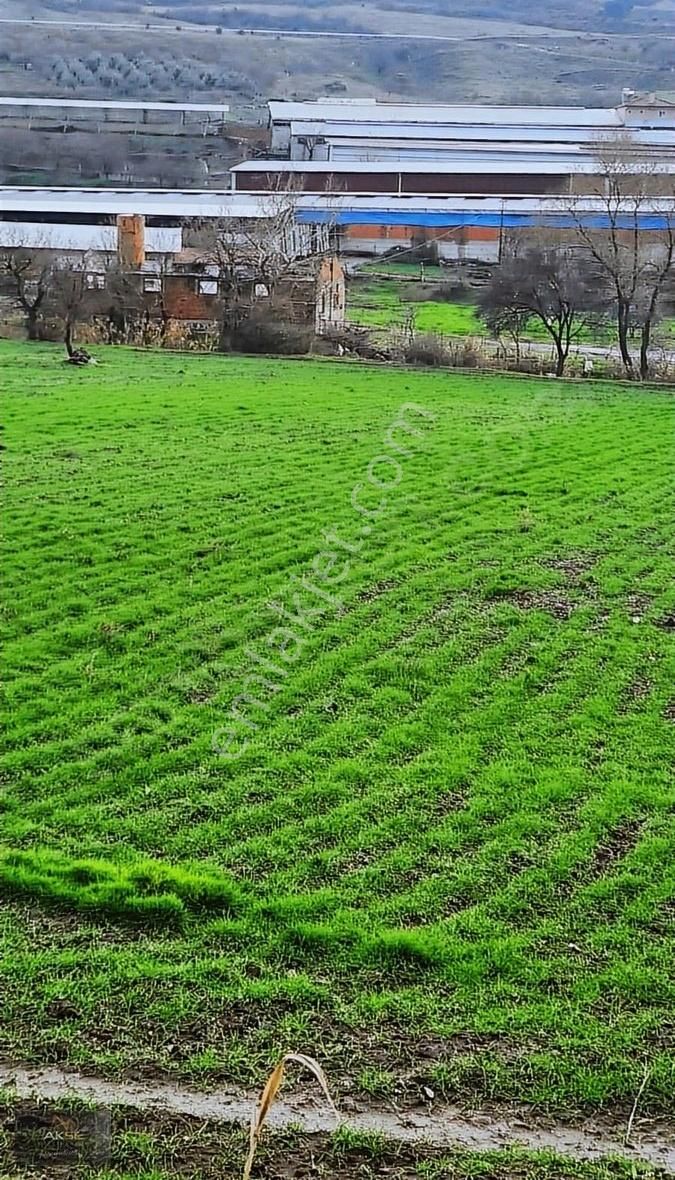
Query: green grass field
{"x": 387, "y": 304}
{"x": 438, "y": 844}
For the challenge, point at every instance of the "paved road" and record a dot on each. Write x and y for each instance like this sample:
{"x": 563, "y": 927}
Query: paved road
{"x": 607, "y": 352}
{"x": 187, "y": 27}
{"x": 599, "y": 351}
{"x": 168, "y": 27}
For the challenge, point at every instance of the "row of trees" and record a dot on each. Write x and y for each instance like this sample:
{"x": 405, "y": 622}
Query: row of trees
{"x": 134, "y": 74}
{"x": 592, "y": 274}
{"x": 577, "y": 293}
{"x": 573, "y": 291}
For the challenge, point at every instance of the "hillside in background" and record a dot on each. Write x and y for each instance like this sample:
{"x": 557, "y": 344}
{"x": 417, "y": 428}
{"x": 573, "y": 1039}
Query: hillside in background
{"x": 580, "y": 53}
{"x": 402, "y": 16}
{"x": 244, "y": 54}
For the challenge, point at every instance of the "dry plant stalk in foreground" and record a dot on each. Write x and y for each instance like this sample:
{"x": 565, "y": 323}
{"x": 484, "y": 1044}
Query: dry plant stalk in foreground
{"x": 269, "y": 1094}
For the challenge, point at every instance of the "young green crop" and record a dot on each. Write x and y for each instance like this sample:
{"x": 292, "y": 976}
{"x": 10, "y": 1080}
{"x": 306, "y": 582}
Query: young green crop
{"x": 390, "y": 304}
{"x": 452, "y": 818}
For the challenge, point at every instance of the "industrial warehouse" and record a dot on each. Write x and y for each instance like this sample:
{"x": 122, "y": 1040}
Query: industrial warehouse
{"x": 385, "y": 175}
{"x": 545, "y": 157}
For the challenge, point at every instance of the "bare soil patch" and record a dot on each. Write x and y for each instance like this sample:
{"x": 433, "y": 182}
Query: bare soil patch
{"x": 554, "y": 602}
{"x": 640, "y": 688}
{"x": 638, "y": 604}
{"x": 376, "y": 590}
{"x": 614, "y": 847}
{"x": 572, "y": 567}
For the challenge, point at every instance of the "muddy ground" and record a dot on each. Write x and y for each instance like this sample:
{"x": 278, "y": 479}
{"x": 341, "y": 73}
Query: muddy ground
{"x": 42, "y": 1142}
{"x": 67, "y": 1127}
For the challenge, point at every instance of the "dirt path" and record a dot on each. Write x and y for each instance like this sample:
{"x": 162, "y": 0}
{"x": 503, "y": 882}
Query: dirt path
{"x": 444, "y": 1126}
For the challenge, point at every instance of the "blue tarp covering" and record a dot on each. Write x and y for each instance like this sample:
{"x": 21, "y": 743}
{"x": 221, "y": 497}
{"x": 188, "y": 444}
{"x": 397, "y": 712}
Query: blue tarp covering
{"x": 493, "y": 220}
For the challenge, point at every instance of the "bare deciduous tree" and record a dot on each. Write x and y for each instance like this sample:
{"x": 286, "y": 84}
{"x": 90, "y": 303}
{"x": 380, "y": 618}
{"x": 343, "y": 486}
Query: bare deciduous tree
{"x": 262, "y": 250}
{"x": 145, "y": 296}
{"x": 632, "y": 262}
{"x": 657, "y": 269}
{"x": 29, "y": 273}
{"x": 540, "y": 280}
{"x": 504, "y": 321}
{"x": 123, "y": 302}
{"x": 74, "y": 295}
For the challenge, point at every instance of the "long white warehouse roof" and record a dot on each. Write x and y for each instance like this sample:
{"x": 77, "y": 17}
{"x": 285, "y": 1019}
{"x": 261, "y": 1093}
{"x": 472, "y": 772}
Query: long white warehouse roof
{"x": 95, "y": 104}
{"x": 375, "y": 112}
{"x": 442, "y": 204}
{"x": 149, "y": 202}
{"x": 397, "y": 152}
{"x": 215, "y": 203}
{"x": 51, "y": 236}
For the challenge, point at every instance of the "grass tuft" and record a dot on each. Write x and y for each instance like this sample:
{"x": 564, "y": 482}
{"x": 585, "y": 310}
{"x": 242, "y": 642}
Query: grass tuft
{"x": 147, "y": 892}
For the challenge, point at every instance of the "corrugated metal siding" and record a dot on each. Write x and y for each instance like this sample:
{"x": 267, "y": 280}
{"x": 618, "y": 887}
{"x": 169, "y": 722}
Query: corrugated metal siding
{"x": 497, "y": 220}
{"x": 480, "y": 182}
{"x": 499, "y": 154}
{"x": 462, "y": 162}
{"x": 318, "y": 182}
{"x": 479, "y": 133}
{"x": 214, "y": 203}
{"x": 413, "y": 182}
{"x": 355, "y": 209}
{"x": 526, "y": 156}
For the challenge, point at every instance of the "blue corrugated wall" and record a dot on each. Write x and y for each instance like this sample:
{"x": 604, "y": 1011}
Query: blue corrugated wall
{"x": 492, "y": 220}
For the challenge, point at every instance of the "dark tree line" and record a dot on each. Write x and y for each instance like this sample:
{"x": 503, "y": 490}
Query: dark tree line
{"x": 621, "y": 271}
